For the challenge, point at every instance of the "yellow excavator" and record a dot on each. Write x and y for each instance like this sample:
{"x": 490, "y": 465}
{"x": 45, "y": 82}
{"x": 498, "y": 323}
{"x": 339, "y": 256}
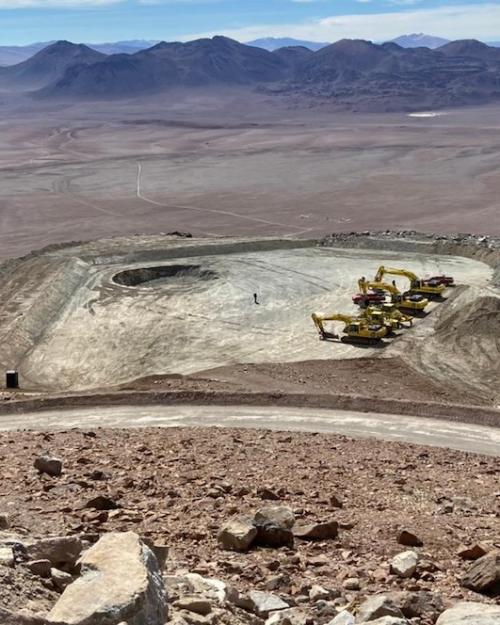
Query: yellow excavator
{"x": 412, "y": 303}
{"x": 387, "y": 314}
{"x": 417, "y": 285}
{"x": 356, "y": 330}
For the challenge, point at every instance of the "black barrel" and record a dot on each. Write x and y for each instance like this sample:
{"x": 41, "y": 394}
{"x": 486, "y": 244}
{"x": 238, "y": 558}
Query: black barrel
{"x": 12, "y": 379}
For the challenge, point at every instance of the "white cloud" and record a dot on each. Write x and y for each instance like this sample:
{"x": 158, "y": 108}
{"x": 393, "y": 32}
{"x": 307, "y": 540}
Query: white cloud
{"x": 52, "y": 4}
{"x": 465, "y": 21}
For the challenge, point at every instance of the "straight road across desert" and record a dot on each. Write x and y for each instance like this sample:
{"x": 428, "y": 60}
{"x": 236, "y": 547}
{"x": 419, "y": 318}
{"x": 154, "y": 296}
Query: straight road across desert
{"x": 433, "y": 432}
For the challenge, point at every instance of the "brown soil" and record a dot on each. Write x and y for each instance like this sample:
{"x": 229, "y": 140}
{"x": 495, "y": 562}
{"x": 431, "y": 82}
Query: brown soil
{"x": 379, "y": 378}
{"x": 177, "y": 486}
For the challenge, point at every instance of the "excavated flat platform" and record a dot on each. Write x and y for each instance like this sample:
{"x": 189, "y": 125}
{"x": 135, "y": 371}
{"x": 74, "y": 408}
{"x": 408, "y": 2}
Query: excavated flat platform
{"x": 118, "y": 310}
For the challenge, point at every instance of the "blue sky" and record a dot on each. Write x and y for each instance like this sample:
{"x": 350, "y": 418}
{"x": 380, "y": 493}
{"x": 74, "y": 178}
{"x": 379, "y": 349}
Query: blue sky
{"x": 26, "y": 21}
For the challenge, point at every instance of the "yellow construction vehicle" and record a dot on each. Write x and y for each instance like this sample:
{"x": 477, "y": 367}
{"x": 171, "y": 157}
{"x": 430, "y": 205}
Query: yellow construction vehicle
{"x": 417, "y": 285}
{"x": 357, "y": 330}
{"x": 413, "y": 303}
{"x": 388, "y": 315}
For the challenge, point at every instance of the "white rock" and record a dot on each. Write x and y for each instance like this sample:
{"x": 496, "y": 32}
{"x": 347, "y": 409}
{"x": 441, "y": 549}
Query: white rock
{"x": 471, "y": 613}
{"x": 6, "y": 556}
{"x": 213, "y": 588}
{"x": 405, "y": 564}
{"x": 120, "y": 581}
{"x": 265, "y": 602}
{"x": 343, "y": 618}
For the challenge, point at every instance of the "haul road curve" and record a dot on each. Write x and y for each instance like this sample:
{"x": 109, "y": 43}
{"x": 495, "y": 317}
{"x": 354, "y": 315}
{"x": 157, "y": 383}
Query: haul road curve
{"x": 433, "y": 432}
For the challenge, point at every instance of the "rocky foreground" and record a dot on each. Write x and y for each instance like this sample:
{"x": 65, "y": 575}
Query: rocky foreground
{"x": 195, "y": 526}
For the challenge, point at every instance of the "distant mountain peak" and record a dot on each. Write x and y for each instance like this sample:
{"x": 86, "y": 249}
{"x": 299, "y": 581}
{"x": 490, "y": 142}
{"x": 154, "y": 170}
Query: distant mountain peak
{"x": 275, "y": 43}
{"x": 419, "y": 40}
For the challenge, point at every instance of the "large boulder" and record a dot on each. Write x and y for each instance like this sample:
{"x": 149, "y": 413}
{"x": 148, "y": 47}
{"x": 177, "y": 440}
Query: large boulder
{"x": 61, "y": 551}
{"x": 484, "y": 575}
{"x": 237, "y": 534}
{"x": 120, "y": 581}
{"x": 471, "y": 613}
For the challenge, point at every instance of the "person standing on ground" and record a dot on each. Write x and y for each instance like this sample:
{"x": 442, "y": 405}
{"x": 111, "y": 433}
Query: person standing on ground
{"x": 255, "y": 299}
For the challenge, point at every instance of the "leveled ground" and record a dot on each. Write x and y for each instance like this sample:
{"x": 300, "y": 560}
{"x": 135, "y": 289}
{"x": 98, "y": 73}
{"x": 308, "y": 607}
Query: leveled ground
{"x": 93, "y": 316}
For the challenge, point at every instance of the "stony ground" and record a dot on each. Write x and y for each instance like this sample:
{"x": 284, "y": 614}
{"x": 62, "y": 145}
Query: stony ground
{"x": 178, "y": 486}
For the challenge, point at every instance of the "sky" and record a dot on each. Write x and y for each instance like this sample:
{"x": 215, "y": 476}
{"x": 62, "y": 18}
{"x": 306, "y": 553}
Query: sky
{"x": 97, "y": 21}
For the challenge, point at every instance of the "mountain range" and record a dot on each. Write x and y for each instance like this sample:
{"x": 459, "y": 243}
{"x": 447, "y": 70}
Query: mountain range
{"x": 355, "y": 74}
{"x": 11, "y": 55}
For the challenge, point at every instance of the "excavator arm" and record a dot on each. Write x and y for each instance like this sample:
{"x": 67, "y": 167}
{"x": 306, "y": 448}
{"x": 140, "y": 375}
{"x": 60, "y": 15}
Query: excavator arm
{"x": 320, "y": 318}
{"x": 417, "y": 285}
{"x": 382, "y": 271}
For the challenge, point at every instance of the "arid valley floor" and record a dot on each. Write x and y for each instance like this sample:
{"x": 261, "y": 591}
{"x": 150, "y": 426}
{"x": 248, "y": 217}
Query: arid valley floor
{"x": 241, "y": 164}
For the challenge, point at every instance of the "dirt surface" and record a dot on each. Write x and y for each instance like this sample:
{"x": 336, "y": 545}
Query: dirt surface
{"x": 178, "y": 486}
{"x": 240, "y": 165}
{"x": 366, "y": 377}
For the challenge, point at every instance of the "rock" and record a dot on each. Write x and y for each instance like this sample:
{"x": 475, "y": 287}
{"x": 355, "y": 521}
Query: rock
{"x": 336, "y": 501}
{"x": 4, "y": 522}
{"x": 264, "y": 602}
{"x": 61, "y": 551}
{"x": 291, "y": 616}
{"x": 102, "y": 502}
{"x": 49, "y": 465}
{"x": 40, "y": 567}
{"x": 351, "y": 583}
{"x": 274, "y": 525}
{"x": 278, "y": 515}
{"x": 420, "y": 604}
{"x": 6, "y": 556}
{"x": 267, "y": 494}
{"x": 484, "y": 575}
{"x": 120, "y": 581}
{"x": 474, "y": 552}
{"x": 343, "y": 618}
{"x": 317, "y": 531}
{"x": 60, "y": 579}
{"x": 377, "y": 606}
{"x": 404, "y": 564}
{"x": 409, "y": 539}
{"x": 237, "y": 534}
{"x": 470, "y": 613}
{"x": 318, "y": 592}
{"x": 193, "y": 603}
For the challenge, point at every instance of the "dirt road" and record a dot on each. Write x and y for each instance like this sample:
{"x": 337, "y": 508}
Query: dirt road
{"x": 471, "y": 438}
